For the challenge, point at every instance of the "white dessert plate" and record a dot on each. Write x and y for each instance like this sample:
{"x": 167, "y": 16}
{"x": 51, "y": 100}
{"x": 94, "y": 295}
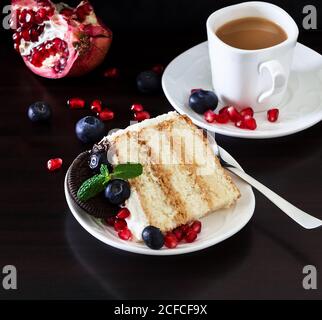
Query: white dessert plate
{"x": 216, "y": 227}
{"x": 301, "y": 107}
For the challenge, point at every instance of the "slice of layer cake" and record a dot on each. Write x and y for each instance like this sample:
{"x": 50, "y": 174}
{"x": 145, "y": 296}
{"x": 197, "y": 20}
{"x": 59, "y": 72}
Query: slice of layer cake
{"x": 182, "y": 179}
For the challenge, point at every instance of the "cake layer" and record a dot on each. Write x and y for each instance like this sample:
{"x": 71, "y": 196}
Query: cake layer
{"x": 182, "y": 179}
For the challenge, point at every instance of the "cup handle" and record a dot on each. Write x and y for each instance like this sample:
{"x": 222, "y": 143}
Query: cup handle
{"x": 278, "y": 75}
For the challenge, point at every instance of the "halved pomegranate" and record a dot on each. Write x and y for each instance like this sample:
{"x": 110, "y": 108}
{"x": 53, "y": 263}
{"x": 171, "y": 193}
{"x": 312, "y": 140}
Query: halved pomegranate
{"x": 56, "y": 40}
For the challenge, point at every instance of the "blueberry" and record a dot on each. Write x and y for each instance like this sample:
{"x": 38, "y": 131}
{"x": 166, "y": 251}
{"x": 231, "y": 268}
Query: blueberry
{"x": 39, "y": 112}
{"x": 96, "y": 159}
{"x": 153, "y": 237}
{"x": 202, "y": 100}
{"x": 117, "y": 191}
{"x": 148, "y": 82}
{"x": 90, "y": 129}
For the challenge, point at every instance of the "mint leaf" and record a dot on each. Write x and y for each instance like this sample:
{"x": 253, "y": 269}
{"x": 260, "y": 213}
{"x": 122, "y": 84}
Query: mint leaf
{"x": 92, "y": 186}
{"x": 104, "y": 170}
{"x": 127, "y": 171}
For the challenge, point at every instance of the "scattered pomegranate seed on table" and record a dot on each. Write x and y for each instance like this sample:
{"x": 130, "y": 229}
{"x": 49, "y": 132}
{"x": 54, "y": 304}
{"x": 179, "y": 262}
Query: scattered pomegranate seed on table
{"x": 119, "y": 224}
{"x": 234, "y": 115}
{"x": 240, "y": 124}
{"x": 106, "y": 114}
{"x": 137, "y": 107}
{"x": 222, "y": 118}
{"x": 210, "y": 116}
{"x": 54, "y": 164}
{"x": 112, "y": 73}
{"x": 184, "y": 228}
{"x": 272, "y": 115}
{"x": 76, "y": 103}
{"x": 123, "y": 213}
{"x": 142, "y": 115}
{"x": 170, "y": 240}
{"x": 96, "y": 106}
{"x": 158, "y": 69}
{"x": 125, "y": 234}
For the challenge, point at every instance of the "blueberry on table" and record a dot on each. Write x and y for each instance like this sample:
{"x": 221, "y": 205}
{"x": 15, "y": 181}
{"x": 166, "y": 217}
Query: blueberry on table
{"x": 153, "y": 237}
{"x": 90, "y": 129}
{"x": 148, "y": 82}
{"x": 117, "y": 191}
{"x": 39, "y": 112}
{"x": 202, "y": 100}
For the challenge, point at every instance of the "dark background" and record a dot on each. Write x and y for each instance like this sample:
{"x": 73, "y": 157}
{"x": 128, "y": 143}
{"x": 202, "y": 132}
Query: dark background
{"x": 57, "y": 259}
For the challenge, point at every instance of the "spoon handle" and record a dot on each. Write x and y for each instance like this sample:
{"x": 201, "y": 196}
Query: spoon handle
{"x": 304, "y": 219}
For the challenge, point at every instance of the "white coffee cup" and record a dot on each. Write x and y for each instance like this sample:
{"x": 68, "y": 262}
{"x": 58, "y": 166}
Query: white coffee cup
{"x": 256, "y": 78}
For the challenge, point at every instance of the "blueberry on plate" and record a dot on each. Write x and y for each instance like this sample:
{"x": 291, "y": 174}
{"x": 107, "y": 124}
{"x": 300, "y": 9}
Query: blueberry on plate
{"x": 39, "y": 112}
{"x": 117, "y": 191}
{"x": 90, "y": 129}
{"x": 96, "y": 159}
{"x": 153, "y": 237}
{"x": 148, "y": 82}
{"x": 202, "y": 100}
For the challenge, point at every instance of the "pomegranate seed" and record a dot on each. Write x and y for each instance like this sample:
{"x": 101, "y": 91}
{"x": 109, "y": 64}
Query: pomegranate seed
{"x": 272, "y": 115}
{"x": 123, "y": 213}
{"x": 195, "y": 90}
{"x": 158, "y": 69}
{"x": 191, "y": 236}
{"x": 137, "y": 107}
{"x": 142, "y": 115}
{"x": 25, "y": 34}
{"x": 54, "y": 164}
{"x": 247, "y": 112}
{"x": 96, "y": 106}
{"x": 196, "y": 226}
{"x": 33, "y": 34}
{"x": 106, "y": 114}
{"x": 119, "y": 224}
{"x": 184, "y": 228}
{"x": 125, "y": 234}
{"x": 250, "y": 123}
{"x": 42, "y": 13}
{"x": 178, "y": 233}
{"x": 240, "y": 124}
{"x": 210, "y": 116}
{"x": 224, "y": 110}
{"x": 111, "y": 73}
{"x": 67, "y": 12}
{"x": 170, "y": 240}
{"x": 22, "y": 16}
{"x": 76, "y": 103}
{"x": 110, "y": 221}
{"x": 234, "y": 115}
{"x": 222, "y": 118}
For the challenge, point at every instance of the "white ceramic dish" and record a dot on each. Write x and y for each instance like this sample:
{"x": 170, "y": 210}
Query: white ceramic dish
{"x": 300, "y": 108}
{"x": 216, "y": 227}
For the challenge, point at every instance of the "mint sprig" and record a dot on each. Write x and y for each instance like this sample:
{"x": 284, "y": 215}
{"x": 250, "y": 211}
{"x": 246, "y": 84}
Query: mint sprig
{"x": 96, "y": 184}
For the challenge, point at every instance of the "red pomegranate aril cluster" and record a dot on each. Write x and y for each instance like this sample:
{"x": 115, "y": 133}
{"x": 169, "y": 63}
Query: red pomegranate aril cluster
{"x": 272, "y": 115}
{"x": 76, "y": 103}
{"x": 186, "y": 232}
{"x": 123, "y": 213}
{"x": 139, "y": 113}
{"x": 119, "y": 224}
{"x": 54, "y": 164}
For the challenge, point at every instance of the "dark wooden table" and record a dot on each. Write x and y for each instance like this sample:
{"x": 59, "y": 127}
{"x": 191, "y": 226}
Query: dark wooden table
{"x": 56, "y": 258}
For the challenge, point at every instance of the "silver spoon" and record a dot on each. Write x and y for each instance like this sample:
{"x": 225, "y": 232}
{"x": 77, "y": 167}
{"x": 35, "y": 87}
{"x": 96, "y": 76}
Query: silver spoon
{"x": 302, "y": 218}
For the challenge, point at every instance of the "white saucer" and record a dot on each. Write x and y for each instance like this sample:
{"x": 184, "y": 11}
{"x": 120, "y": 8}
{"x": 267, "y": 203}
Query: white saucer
{"x": 301, "y": 107}
{"x": 216, "y": 227}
